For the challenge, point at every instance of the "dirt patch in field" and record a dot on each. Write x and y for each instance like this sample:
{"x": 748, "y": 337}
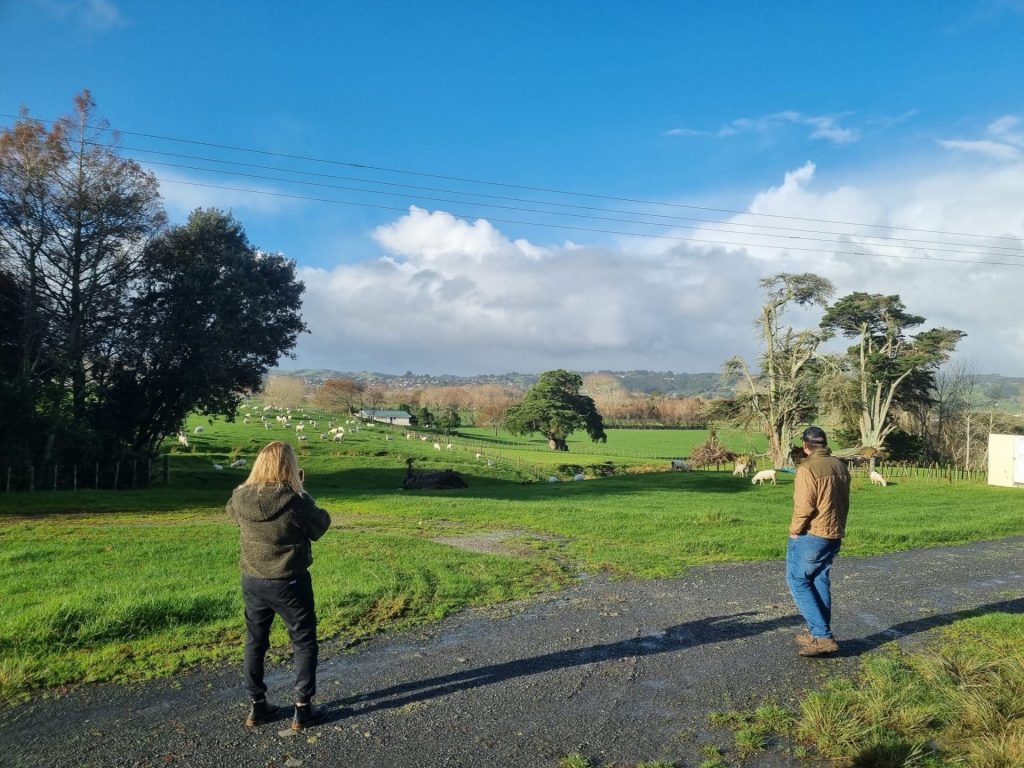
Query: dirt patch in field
{"x": 516, "y": 543}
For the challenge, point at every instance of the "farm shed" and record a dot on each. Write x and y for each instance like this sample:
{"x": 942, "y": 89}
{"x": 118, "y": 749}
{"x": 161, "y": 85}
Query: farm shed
{"x": 1006, "y": 460}
{"x": 398, "y": 418}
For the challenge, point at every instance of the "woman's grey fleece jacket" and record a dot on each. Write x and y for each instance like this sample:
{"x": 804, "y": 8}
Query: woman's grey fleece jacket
{"x": 278, "y": 526}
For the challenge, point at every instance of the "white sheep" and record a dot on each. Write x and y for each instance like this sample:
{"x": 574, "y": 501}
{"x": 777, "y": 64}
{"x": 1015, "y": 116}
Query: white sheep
{"x": 238, "y": 463}
{"x": 183, "y": 439}
{"x": 303, "y": 438}
{"x": 246, "y": 420}
{"x": 338, "y": 437}
{"x": 437, "y": 446}
{"x": 423, "y": 438}
{"x": 323, "y": 435}
{"x": 478, "y": 455}
{"x": 741, "y": 469}
{"x": 579, "y": 476}
{"x": 217, "y": 467}
{"x": 764, "y": 474}
{"x": 552, "y": 479}
{"x": 877, "y": 479}
{"x": 266, "y": 425}
{"x": 299, "y": 427}
{"x": 198, "y": 431}
{"x": 681, "y": 465}
{"x": 448, "y": 446}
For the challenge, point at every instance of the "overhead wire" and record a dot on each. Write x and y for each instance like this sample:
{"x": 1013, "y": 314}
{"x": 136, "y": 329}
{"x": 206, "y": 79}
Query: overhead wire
{"x": 592, "y": 229}
{"x": 884, "y": 240}
{"x": 547, "y": 190}
{"x": 575, "y": 215}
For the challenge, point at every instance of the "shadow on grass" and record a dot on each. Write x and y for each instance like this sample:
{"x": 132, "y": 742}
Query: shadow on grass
{"x": 715, "y": 629}
{"x": 862, "y": 645}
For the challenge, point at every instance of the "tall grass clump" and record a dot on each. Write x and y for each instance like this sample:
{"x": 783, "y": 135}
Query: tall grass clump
{"x": 960, "y": 701}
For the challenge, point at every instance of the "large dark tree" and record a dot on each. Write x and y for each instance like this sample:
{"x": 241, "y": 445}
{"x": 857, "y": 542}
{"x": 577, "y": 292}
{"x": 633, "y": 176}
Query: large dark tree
{"x": 889, "y": 367}
{"x": 212, "y": 317}
{"x": 556, "y": 408}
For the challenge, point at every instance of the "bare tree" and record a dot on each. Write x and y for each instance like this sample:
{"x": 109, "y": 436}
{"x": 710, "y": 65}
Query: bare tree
{"x": 781, "y": 394}
{"x": 285, "y": 391}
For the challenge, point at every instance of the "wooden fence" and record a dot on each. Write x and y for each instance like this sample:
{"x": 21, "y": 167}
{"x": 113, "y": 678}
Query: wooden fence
{"x": 126, "y": 473}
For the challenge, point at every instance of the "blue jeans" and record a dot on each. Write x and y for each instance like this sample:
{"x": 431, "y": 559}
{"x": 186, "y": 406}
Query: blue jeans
{"x": 808, "y": 563}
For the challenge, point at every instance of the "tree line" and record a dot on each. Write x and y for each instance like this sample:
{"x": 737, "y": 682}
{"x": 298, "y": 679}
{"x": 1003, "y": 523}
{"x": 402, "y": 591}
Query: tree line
{"x": 116, "y": 325}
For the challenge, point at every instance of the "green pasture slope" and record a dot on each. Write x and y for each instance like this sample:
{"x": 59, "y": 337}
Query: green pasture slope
{"x": 129, "y": 584}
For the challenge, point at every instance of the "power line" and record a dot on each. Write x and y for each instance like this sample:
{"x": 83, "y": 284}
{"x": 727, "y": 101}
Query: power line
{"x": 957, "y": 247}
{"x": 547, "y": 190}
{"x": 563, "y": 213}
{"x": 591, "y": 229}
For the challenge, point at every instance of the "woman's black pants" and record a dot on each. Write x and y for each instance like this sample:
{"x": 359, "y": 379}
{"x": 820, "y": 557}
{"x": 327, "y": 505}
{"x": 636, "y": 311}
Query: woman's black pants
{"x": 292, "y": 600}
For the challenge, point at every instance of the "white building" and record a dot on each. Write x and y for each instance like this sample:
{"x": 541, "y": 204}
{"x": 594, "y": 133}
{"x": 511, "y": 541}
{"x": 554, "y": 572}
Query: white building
{"x": 1006, "y": 460}
{"x": 398, "y": 418}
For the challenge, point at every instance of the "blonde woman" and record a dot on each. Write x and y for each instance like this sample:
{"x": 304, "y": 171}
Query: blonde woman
{"x": 278, "y": 522}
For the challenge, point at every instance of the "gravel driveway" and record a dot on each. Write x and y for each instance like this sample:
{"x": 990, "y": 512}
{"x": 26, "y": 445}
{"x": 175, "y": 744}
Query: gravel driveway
{"x": 621, "y": 670}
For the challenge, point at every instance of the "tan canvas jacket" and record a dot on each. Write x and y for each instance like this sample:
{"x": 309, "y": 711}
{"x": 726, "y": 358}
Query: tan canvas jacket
{"x": 821, "y": 496}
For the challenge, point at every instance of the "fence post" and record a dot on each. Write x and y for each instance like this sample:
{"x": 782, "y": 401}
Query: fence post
{"x": 8, "y": 479}
{"x": 97, "y": 475}
{"x": 55, "y": 467}
{"x": 74, "y": 478}
{"x": 167, "y": 469}
{"x": 31, "y": 478}
{"x": 135, "y": 463}
{"x": 117, "y": 473}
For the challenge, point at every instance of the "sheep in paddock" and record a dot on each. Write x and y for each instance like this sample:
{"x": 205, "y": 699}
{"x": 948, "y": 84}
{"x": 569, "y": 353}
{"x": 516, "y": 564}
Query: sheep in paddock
{"x": 198, "y": 431}
{"x": 741, "y": 469}
{"x": 266, "y": 425}
{"x": 217, "y": 467}
{"x": 448, "y": 446}
{"x": 338, "y": 437}
{"x": 877, "y": 479}
{"x": 238, "y": 463}
{"x": 246, "y": 420}
{"x": 299, "y": 427}
{"x": 303, "y": 438}
{"x": 437, "y": 446}
{"x": 312, "y": 424}
{"x": 423, "y": 438}
{"x": 552, "y": 479}
{"x": 408, "y": 435}
{"x": 478, "y": 455}
{"x": 323, "y": 435}
{"x": 579, "y": 476}
{"x": 764, "y": 474}
{"x": 183, "y": 439}
{"x": 680, "y": 465}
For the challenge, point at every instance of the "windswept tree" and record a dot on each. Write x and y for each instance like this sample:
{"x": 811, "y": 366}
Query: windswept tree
{"x": 780, "y": 395}
{"x": 556, "y": 408}
{"x": 888, "y": 366}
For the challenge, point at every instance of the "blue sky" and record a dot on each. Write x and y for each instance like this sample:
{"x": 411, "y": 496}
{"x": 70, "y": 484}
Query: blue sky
{"x": 908, "y": 114}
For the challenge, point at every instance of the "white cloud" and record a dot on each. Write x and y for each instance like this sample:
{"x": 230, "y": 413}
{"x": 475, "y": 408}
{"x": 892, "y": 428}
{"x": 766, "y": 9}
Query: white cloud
{"x": 452, "y": 295}
{"x": 1005, "y": 141}
{"x": 182, "y": 194}
{"x": 99, "y": 15}
{"x": 823, "y": 127}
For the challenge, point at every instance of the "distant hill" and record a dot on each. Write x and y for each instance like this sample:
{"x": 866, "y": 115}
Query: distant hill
{"x": 1004, "y": 393}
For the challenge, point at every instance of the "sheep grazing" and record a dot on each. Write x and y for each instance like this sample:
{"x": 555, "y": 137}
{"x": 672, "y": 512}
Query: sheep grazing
{"x": 198, "y": 431}
{"x": 552, "y": 479}
{"x": 478, "y": 455}
{"x": 246, "y": 420}
{"x": 877, "y": 479}
{"x": 266, "y": 425}
{"x": 183, "y": 439}
{"x": 238, "y": 463}
{"x": 423, "y": 438}
{"x": 579, "y": 476}
{"x": 448, "y": 446}
{"x": 741, "y": 469}
{"x": 408, "y": 435}
{"x": 338, "y": 437}
{"x": 437, "y": 446}
{"x": 299, "y": 427}
{"x": 764, "y": 474}
{"x": 217, "y": 467}
{"x": 323, "y": 435}
{"x": 303, "y": 438}
{"x": 680, "y": 465}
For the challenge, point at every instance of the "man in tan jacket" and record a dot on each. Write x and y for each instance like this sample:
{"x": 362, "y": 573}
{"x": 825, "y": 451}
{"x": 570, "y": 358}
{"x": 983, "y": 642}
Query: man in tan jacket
{"x": 821, "y": 501}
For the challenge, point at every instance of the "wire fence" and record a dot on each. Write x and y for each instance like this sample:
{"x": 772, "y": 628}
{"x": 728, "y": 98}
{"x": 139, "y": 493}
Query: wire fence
{"x": 126, "y": 473}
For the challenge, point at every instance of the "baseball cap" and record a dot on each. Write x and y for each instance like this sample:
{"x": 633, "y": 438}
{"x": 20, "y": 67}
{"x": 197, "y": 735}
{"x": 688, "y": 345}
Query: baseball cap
{"x": 815, "y": 435}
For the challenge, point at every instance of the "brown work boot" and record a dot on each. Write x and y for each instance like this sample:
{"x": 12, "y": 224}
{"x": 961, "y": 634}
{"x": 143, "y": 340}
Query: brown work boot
{"x": 802, "y": 638}
{"x": 818, "y": 646}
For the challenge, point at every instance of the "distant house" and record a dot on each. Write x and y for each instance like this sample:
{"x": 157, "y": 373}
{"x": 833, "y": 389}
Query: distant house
{"x": 398, "y": 418}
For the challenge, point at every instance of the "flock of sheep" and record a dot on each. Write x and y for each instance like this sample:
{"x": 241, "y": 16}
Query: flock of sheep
{"x": 767, "y": 475}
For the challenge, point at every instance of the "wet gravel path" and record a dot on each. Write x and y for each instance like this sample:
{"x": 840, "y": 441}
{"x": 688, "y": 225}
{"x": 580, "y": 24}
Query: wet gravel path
{"x": 621, "y": 670}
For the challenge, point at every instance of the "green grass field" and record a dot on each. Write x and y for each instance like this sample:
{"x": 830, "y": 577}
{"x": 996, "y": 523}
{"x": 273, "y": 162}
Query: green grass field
{"x": 129, "y": 584}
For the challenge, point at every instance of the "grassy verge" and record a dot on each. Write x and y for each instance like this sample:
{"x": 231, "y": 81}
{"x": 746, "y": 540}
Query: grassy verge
{"x": 124, "y": 585}
{"x": 958, "y": 702}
